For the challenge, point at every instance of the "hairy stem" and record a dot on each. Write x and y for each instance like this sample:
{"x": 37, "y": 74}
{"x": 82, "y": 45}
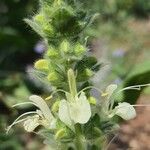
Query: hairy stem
{"x": 79, "y": 140}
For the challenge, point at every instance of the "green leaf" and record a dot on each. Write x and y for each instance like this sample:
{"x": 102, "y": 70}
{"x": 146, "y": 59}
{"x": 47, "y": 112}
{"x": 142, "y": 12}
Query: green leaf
{"x": 139, "y": 75}
{"x": 92, "y": 128}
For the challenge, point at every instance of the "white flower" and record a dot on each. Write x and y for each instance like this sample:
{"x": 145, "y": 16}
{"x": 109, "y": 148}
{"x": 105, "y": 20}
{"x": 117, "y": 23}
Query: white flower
{"x": 107, "y": 103}
{"x": 109, "y": 90}
{"x": 125, "y": 111}
{"x": 75, "y": 111}
{"x": 44, "y": 109}
{"x": 43, "y": 115}
{"x": 80, "y": 110}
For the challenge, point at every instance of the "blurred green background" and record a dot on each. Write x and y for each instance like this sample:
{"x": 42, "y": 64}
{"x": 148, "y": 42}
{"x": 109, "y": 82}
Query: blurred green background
{"x": 120, "y": 39}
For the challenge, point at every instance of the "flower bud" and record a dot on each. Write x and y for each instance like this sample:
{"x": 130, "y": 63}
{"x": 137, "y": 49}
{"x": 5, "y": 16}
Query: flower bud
{"x": 88, "y": 72}
{"x": 79, "y": 49}
{"x": 41, "y": 64}
{"x": 65, "y": 46}
{"x": 48, "y": 29}
{"x": 52, "y": 77}
{"x": 39, "y": 18}
{"x": 58, "y": 2}
{"x": 52, "y": 53}
{"x": 97, "y": 131}
{"x": 92, "y": 100}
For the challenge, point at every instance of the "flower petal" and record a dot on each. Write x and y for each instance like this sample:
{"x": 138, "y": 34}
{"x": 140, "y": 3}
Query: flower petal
{"x": 80, "y": 110}
{"x": 125, "y": 111}
{"x": 64, "y": 114}
{"x": 43, "y": 107}
{"x": 110, "y": 89}
{"x": 31, "y": 123}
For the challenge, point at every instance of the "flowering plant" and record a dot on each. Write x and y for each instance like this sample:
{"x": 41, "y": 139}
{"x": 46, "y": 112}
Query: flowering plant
{"x": 75, "y": 119}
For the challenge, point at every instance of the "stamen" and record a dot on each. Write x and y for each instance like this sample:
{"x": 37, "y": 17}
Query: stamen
{"x": 141, "y": 105}
{"x": 134, "y": 87}
{"x": 25, "y": 103}
{"x": 9, "y": 127}
{"x": 28, "y": 113}
{"x": 89, "y": 87}
{"x": 59, "y": 90}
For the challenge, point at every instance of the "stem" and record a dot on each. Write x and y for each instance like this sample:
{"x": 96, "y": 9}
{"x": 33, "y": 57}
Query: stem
{"x": 72, "y": 82}
{"x": 79, "y": 141}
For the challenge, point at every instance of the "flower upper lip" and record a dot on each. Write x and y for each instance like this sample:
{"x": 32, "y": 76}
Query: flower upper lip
{"x": 43, "y": 107}
{"x": 44, "y": 114}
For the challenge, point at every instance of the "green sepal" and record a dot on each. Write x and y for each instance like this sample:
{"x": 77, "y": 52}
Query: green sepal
{"x": 92, "y": 128}
{"x": 88, "y": 62}
{"x": 35, "y": 27}
{"x": 67, "y": 135}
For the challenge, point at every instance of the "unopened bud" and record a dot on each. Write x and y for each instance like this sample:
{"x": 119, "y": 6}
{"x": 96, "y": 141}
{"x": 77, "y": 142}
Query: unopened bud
{"x": 52, "y": 77}
{"x": 97, "y": 131}
{"x": 39, "y": 18}
{"x": 79, "y": 49}
{"x": 92, "y": 100}
{"x": 65, "y": 46}
{"x": 41, "y": 64}
{"x": 48, "y": 29}
{"x": 89, "y": 72}
{"x": 51, "y": 52}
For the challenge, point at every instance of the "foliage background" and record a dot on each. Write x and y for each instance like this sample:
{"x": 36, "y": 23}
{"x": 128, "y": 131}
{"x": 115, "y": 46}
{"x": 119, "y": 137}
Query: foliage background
{"x": 119, "y": 38}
